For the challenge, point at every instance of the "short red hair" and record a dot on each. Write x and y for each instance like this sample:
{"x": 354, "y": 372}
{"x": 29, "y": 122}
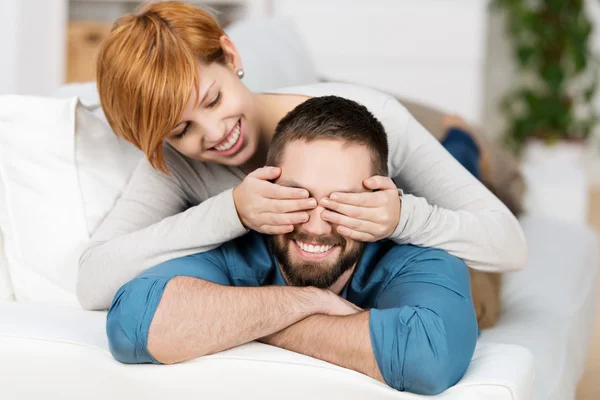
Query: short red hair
{"x": 147, "y": 67}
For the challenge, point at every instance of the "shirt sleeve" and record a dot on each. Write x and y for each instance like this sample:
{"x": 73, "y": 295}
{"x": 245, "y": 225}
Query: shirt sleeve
{"x": 443, "y": 205}
{"x": 423, "y": 326}
{"x": 133, "y": 308}
{"x": 154, "y": 221}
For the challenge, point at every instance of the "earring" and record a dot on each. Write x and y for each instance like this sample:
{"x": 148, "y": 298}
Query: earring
{"x": 240, "y": 73}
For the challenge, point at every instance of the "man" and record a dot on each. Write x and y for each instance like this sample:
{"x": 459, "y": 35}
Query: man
{"x": 398, "y": 313}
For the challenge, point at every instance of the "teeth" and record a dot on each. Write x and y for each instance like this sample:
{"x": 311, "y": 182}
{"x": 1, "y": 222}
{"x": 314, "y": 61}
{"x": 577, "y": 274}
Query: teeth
{"x": 309, "y": 248}
{"x": 232, "y": 139}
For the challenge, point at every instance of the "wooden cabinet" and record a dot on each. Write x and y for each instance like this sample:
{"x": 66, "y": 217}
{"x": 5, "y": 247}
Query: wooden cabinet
{"x": 83, "y": 42}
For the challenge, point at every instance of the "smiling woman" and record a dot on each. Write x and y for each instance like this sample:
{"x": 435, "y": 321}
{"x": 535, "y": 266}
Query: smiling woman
{"x": 213, "y": 126}
{"x": 170, "y": 83}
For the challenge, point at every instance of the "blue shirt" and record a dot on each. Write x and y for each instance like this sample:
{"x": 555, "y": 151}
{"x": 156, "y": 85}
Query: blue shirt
{"x": 422, "y": 321}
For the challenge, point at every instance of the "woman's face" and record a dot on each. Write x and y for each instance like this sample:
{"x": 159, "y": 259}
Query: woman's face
{"x": 219, "y": 122}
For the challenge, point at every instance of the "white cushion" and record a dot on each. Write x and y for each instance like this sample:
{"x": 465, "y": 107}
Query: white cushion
{"x": 104, "y": 164}
{"x": 549, "y": 307}
{"x": 7, "y": 292}
{"x": 6, "y": 288}
{"x": 61, "y": 170}
{"x": 34, "y": 338}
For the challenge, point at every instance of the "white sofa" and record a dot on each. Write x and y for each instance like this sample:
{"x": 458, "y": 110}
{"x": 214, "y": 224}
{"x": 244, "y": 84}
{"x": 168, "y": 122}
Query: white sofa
{"x": 60, "y": 171}
{"x": 62, "y": 352}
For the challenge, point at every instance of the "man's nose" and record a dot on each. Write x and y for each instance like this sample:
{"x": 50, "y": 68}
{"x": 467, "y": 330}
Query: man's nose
{"x": 315, "y": 225}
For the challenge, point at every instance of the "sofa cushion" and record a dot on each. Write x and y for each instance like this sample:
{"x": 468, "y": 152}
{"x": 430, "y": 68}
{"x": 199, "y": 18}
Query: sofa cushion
{"x": 549, "y": 307}
{"x": 61, "y": 170}
{"x": 41, "y": 211}
{"x": 6, "y": 288}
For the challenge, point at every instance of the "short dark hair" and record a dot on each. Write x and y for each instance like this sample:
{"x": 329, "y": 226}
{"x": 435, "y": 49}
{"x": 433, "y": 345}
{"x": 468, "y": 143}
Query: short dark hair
{"x": 335, "y": 118}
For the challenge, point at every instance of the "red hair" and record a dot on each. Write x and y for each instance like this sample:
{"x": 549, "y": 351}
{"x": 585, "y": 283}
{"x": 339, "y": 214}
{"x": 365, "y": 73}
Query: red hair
{"x": 147, "y": 67}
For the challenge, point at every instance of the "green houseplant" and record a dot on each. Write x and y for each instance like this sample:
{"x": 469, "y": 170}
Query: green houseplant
{"x": 552, "y": 98}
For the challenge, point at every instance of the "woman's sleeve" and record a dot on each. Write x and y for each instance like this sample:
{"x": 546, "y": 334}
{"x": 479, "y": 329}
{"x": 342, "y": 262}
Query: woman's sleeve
{"x": 150, "y": 224}
{"x": 443, "y": 205}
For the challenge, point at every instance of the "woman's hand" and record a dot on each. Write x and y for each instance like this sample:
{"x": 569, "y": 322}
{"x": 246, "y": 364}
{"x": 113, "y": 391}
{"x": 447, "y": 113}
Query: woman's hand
{"x": 368, "y": 216}
{"x": 270, "y": 208}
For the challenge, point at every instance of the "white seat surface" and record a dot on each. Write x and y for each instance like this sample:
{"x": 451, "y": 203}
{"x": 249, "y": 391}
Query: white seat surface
{"x": 46, "y": 349}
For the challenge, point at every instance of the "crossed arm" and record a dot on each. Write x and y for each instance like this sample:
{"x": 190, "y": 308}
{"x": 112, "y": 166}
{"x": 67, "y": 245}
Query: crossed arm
{"x": 419, "y": 337}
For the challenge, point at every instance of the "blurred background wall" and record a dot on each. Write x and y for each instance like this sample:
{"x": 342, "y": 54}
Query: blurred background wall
{"x": 424, "y": 48}
{"x": 429, "y": 50}
{"x": 450, "y": 54}
{"x": 32, "y": 45}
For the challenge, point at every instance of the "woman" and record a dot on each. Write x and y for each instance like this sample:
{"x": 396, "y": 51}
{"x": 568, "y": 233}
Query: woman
{"x": 170, "y": 83}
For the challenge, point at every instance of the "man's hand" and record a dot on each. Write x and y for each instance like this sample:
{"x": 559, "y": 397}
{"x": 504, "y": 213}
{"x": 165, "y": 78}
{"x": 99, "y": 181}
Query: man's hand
{"x": 332, "y": 305}
{"x": 368, "y": 216}
{"x": 344, "y": 341}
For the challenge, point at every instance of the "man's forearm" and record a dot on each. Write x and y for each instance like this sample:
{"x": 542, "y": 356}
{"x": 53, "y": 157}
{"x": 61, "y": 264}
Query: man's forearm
{"x": 344, "y": 341}
{"x": 196, "y": 317}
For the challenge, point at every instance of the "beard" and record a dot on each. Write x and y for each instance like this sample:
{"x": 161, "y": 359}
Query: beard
{"x": 321, "y": 274}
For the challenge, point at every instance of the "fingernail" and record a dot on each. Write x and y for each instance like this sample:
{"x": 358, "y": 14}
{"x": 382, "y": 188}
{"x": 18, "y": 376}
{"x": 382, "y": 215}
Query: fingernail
{"x": 334, "y": 196}
{"x": 325, "y": 200}
{"x": 312, "y": 202}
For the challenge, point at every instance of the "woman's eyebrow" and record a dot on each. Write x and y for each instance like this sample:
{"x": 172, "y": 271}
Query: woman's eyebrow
{"x": 178, "y": 125}
{"x": 203, "y": 95}
{"x": 202, "y": 98}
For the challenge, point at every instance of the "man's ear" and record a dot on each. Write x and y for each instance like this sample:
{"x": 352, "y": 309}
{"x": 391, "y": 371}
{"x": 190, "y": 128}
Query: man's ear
{"x": 232, "y": 56}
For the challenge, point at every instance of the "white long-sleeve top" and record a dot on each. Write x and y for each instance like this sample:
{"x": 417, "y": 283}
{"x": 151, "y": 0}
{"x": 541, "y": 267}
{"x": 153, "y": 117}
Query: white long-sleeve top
{"x": 191, "y": 210}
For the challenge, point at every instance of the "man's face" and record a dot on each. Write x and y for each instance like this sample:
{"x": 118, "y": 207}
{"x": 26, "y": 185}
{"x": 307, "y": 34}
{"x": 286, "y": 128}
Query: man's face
{"x": 314, "y": 254}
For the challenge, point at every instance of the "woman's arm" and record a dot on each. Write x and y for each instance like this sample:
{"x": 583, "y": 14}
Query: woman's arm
{"x": 443, "y": 205}
{"x": 151, "y": 223}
